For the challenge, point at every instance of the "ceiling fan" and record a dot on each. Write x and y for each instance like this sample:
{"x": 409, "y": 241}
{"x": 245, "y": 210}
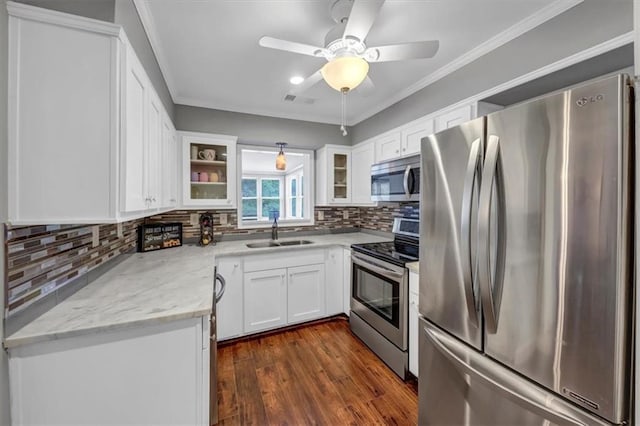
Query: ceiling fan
{"x": 346, "y": 51}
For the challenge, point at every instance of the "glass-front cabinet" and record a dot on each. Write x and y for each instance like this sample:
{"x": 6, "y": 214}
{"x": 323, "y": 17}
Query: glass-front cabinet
{"x": 208, "y": 170}
{"x": 333, "y": 175}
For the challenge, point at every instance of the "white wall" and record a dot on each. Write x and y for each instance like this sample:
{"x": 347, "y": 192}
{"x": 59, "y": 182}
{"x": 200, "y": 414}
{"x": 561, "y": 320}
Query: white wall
{"x": 4, "y": 376}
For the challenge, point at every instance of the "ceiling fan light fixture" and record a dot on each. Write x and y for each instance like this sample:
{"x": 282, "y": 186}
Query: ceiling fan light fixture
{"x": 345, "y": 72}
{"x": 281, "y": 160}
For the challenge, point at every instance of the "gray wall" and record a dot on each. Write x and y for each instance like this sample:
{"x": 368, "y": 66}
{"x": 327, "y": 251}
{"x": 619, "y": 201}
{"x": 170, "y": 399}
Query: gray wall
{"x": 127, "y": 16}
{"x": 588, "y": 24}
{"x": 258, "y": 129}
{"x": 4, "y": 377}
{"x": 96, "y": 9}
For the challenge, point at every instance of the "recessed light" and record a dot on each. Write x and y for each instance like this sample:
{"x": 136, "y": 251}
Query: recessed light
{"x": 296, "y": 79}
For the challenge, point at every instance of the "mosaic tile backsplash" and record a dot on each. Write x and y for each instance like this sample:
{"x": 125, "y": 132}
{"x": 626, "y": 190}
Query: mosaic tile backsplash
{"x": 42, "y": 259}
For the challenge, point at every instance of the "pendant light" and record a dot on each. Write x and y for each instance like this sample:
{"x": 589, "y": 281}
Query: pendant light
{"x": 281, "y": 160}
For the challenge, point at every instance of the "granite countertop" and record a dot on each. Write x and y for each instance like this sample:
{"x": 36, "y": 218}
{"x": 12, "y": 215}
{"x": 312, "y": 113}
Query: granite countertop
{"x": 239, "y": 247}
{"x": 154, "y": 287}
{"x": 414, "y": 267}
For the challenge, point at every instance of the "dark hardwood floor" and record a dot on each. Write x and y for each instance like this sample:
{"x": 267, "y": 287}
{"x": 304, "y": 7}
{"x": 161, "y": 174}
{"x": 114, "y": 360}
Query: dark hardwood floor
{"x": 317, "y": 374}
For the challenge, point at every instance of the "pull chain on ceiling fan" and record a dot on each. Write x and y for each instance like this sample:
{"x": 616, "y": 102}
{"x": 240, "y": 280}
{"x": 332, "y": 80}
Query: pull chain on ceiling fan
{"x": 346, "y": 52}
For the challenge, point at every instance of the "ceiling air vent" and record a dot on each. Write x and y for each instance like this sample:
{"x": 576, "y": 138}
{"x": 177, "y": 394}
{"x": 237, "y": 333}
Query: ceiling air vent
{"x": 298, "y": 99}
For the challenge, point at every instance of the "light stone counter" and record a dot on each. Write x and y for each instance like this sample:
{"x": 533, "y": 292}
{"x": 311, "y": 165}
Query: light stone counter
{"x": 154, "y": 287}
{"x": 239, "y": 247}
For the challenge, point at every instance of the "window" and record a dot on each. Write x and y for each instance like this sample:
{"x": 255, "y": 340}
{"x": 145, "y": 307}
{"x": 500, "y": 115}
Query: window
{"x": 295, "y": 188}
{"x": 266, "y": 192}
{"x": 261, "y": 198}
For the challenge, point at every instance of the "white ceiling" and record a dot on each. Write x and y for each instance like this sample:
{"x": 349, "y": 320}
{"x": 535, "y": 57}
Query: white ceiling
{"x": 265, "y": 161}
{"x": 209, "y": 54}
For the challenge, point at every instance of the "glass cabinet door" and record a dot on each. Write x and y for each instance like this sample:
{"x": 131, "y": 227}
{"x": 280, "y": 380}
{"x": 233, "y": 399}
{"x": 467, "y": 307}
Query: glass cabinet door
{"x": 209, "y": 171}
{"x": 340, "y": 170}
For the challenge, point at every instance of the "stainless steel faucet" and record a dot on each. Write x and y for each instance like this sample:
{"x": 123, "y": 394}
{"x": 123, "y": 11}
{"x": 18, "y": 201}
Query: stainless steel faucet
{"x": 274, "y": 229}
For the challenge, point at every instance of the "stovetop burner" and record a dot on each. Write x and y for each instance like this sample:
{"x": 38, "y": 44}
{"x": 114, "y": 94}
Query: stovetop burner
{"x": 399, "y": 252}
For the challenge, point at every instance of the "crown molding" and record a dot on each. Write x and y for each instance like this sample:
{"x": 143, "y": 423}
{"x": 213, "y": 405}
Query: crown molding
{"x": 39, "y": 14}
{"x": 530, "y": 22}
{"x": 186, "y": 101}
{"x": 149, "y": 26}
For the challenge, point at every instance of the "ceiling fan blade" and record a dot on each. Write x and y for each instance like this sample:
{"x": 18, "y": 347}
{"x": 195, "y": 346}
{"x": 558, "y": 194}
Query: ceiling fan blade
{"x": 292, "y": 46}
{"x": 308, "y": 82}
{"x": 399, "y": 52}
{"x": 361, "y": 18}
{"x": 365, "y": 88}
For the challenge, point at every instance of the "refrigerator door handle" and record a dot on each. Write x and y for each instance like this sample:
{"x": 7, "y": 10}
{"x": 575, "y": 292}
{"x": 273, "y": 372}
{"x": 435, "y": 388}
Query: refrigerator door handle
{"x": 491, "y": 289}
{"x": 468, "y": 266}
{"x": 518, "y": 390}
{"x": 406, "y": 181}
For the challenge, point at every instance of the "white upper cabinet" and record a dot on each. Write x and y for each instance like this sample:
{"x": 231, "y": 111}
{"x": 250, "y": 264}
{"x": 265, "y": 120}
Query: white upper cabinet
{"x": 208, "y": 170}
{"x": 403, "y": 141}
{"x": 362, "y": 158}
{"x": 85, "y": 142}
{"x": 333, "y": 175}
{"x": 413, "y": 134}
{"x": 62, "y": 120}
{"x": 169, "y": 171}
{"x": 388, "y": 146}
{"x": 453, "y": 118}
{"x": 136, "y": 93}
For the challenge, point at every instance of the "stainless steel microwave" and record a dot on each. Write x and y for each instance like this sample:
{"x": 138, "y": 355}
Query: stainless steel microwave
{"x": 396, "y": 180}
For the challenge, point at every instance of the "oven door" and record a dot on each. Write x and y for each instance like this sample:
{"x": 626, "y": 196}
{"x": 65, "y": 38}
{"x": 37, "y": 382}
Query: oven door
{"x": 379, "y": 296}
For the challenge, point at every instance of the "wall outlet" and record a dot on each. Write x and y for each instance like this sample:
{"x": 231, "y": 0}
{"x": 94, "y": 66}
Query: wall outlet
{"x": 95, "y": 236}
{"x": 194, "y": 220}
{"x": 320, "y": 215}
{"x": 119, "y": 230}
{"x": 223, "y": 218}
{"x": 345, "y": 214}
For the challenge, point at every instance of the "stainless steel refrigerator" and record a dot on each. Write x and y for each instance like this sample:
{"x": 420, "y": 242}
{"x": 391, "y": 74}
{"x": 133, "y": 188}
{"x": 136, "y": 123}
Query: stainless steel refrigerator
{"x": 526, "y": 263}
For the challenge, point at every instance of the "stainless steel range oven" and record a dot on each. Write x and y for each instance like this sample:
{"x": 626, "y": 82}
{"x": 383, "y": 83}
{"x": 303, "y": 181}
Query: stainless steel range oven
{"x": 380, "y": 293}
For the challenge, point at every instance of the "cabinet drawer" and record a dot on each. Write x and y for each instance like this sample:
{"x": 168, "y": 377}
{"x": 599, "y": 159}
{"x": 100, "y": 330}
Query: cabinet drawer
{"x": 282, "y": 258}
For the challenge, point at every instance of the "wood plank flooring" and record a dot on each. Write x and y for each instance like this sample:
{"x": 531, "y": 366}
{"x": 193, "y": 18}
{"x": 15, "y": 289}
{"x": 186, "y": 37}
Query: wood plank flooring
{"x": 319, "y": 374}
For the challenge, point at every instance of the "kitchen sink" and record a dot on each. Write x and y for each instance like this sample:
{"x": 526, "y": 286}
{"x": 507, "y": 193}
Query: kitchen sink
{"x": 266, "y": 244}
{"x": 295, "y": 243}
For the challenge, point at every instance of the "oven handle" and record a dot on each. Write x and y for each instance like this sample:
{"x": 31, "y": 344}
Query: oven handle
{"x": 386, "y": 272}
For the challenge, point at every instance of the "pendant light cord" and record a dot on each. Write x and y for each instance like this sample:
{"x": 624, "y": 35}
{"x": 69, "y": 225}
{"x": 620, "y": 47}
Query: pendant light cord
{"x": 344, "y": 111}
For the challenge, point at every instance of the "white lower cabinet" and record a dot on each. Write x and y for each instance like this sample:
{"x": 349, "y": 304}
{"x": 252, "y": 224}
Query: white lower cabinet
{"x": 309, "y": 284}
{"x": 305, "y": 293}
{"x": 414, "y": 283}
{"x": 346, "y": 280}
{"x": 229, "y": 310}
{"x": 265, "y": 300}
{"x": 334, "y": 280}
{"x": 146, "y": 375}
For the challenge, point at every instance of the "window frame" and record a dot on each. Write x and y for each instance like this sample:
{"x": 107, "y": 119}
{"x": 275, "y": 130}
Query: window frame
{"x": 259, "y": 197}
{"x": 308, "y": 191}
